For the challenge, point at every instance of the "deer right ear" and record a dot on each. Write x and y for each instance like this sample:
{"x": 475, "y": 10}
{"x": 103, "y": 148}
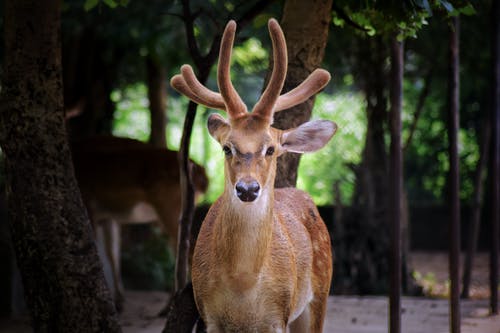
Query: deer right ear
{"x": 308, "y": 137}
{"x": 217, "y": 126}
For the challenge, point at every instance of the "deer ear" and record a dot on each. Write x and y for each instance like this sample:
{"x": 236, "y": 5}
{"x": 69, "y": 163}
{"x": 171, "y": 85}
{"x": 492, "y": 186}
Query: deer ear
{"x": 217, "y": 126}
{"x": 308, "y": 137}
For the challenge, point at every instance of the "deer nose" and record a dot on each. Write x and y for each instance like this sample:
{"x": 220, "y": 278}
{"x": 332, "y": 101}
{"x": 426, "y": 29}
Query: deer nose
{"x": 247, "y": 190}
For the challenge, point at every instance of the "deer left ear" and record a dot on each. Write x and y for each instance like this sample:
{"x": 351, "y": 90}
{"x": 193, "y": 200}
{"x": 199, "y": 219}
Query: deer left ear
{"x": 217, "y": 126}
{"x": 308, "y": 137}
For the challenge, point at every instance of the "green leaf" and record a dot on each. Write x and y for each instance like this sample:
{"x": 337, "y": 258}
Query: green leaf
{"x": 110, "y": 3}
{"x": 89, "y": 4}
{"x": 468, "y": 10}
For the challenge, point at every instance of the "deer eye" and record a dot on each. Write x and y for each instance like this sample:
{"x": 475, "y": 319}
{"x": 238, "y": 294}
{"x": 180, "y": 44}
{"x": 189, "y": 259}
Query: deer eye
{"x": 227, "y": 151}
{"x": 270, "y": 151}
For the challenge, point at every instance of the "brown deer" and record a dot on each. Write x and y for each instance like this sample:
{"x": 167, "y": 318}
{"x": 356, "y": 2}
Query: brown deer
{"x": 262, "y": 261}
{"x": 126, "y": 181}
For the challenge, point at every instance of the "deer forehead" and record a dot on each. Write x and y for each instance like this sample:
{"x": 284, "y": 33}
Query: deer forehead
{"x": 251, "y": 135}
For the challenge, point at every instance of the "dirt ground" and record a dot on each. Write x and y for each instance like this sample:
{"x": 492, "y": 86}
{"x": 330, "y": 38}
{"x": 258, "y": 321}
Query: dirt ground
{"x": 432, "y": 271}
{"x": 351, "y": 314}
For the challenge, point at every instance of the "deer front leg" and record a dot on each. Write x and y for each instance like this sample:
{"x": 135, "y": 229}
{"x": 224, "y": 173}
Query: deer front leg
{"x": 112, "y": 246}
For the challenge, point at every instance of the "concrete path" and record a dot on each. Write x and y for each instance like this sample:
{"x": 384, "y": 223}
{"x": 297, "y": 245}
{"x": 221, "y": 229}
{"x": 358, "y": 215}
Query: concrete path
{"x": 346, "y": 314}
{"x": 352, "y": 314}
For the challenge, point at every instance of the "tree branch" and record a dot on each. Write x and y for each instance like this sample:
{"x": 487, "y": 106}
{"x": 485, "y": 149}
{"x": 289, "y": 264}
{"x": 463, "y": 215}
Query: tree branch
{"x": 343, "y": 15}
{"x": 420, "y": 105}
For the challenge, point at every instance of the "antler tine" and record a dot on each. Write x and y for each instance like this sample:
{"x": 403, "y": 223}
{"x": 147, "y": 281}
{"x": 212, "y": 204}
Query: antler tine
{"x": 316, "y": 81}
{"x": 264, "y": 107}
{"x": 209, "y": 97}
{"x": 179, "y": 83}
{"x": 234, "y": 105}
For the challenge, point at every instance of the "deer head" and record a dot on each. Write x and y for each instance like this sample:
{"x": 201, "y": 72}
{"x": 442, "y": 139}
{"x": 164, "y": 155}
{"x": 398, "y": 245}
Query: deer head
{"x": 250, "y": 143}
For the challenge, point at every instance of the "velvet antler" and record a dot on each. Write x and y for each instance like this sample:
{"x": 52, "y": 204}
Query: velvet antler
{"x": 229, "y": 100}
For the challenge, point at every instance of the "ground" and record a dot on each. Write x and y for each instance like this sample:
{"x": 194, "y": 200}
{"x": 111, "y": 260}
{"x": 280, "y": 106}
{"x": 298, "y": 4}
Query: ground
{"x": 352, "y": 314}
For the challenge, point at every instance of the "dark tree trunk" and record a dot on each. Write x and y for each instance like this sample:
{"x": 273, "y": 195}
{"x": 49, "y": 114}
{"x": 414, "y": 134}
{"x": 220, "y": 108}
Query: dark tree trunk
{"x": 305, "y": 25}
{"x": 495, "y": 160}
{"x": 88, "y": 82}
{"x": 477, "y": 203}
{"x": 156, "y": 79}
{"x": 454, "y": 188}
{"x": 363, "y": 251}
{"x": 396, "y": 183}
{"x": 372, "y": 186}
{"x": 61, "y": 272}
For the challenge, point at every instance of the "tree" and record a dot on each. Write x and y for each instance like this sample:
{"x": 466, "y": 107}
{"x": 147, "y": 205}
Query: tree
{"x": 157, "y": 95}
{"x": 305, "y": 25}
{"x": 62, "y": 275}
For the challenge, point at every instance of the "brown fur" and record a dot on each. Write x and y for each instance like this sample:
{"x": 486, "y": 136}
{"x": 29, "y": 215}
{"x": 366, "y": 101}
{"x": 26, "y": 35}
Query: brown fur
{"x": 257, "y": 266}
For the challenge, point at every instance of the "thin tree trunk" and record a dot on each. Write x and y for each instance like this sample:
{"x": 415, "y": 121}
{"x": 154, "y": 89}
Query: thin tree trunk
{"x": 454, "y": 199}
{"x": 63, "y": 278}
{"x": 305, "y": 25}
{"x": 396, "y": 183}
{"x": 495, "y": 160}
{"x": 420, "y": 106}
{"x": 157, "y": 89}
{"x": 477, "y": 199}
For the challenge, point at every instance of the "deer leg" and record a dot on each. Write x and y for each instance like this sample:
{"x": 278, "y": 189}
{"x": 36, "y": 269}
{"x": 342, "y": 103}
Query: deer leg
{"x": 112, "y": 246}
{"x": 317, "y": 312}
{"x": 302, "y": 323}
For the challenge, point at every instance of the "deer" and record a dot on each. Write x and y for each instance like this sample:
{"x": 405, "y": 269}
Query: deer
{"x": 126, "y": 181}
{"x": 262, "y": 260}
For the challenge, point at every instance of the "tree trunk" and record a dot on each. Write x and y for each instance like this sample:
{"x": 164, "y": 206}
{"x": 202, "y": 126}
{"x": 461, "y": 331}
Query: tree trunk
{"x": 477, "y": 203}
{"x": 396, "y": 183}
{"x": 454, "y": 186}
{"x": 88, "y": 78}
{"x": 305, "y": 25}
{"x": 362, "y": 263}
{"x": 63, "y": 279}
{"x": 157, "y": 89}
{"x": 495, "y": 160}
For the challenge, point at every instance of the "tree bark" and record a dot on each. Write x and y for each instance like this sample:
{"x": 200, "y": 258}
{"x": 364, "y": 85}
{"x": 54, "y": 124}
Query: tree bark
{"x": 363, "y": 260}
{"x": 477, "y": 203}
{"x": 305, "y": 25}
{"x": 63, "y": 279}
{"x": 454, "y": 189}
{"x": 157, "y": 89}
{"x": 396, "y": 183}
{"x": 88, "y": 77}
{"x": 495, "y": 160}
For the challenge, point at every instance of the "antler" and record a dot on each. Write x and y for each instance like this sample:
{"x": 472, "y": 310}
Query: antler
{"x": 316, "y": 81}
{"x": 229, "y": 100}
{"x": 234, "y": 105}
{"x": 264, "y": 107}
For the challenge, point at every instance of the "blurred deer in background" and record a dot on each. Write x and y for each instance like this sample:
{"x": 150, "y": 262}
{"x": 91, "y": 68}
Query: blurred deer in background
{"x": 125, "y": 181}
{"x": 263, "y": 260}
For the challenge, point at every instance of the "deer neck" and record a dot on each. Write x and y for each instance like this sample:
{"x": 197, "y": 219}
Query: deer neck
{"x": 246, "y": 232}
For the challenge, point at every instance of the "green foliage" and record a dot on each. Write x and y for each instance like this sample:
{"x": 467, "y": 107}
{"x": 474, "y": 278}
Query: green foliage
{"x": 132, "y": 118}
{"x": 90, "y": 4}
{"x": 426, "y": 159}
{"x": 319, "y": 171}
{"x": 406, "y": 18}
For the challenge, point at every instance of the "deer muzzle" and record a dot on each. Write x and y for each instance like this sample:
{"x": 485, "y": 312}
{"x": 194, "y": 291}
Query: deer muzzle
{"x": 247, "y": 189}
